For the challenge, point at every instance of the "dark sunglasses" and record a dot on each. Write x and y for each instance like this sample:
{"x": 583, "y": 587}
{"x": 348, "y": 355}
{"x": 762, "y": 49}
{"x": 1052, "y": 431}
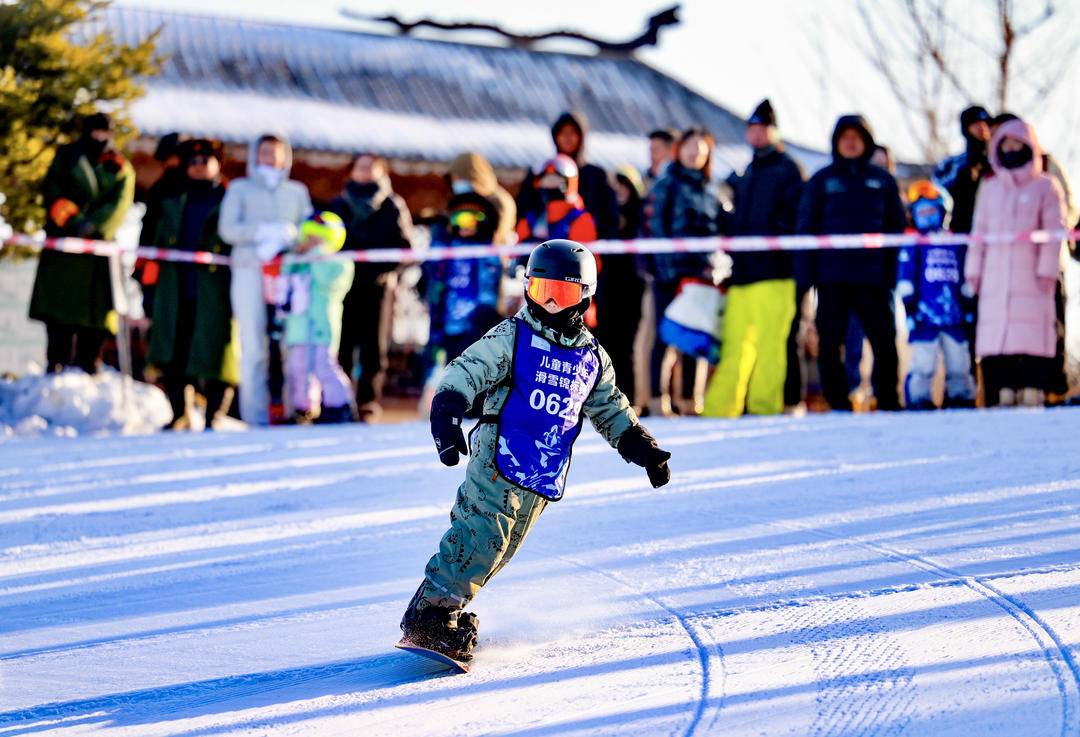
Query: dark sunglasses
{"x": 198, "y": 161}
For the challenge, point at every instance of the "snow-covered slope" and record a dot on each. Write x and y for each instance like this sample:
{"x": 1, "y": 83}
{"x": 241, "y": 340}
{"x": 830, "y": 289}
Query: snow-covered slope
{"x": 835, "y": 575}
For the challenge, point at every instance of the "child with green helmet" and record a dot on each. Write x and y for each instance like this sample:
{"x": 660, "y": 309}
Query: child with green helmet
{"x": 315, "y": 293}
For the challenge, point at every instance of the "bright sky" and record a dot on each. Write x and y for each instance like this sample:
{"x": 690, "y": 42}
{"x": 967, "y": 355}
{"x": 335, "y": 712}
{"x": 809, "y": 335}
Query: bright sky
{"x": 802, "y": 55}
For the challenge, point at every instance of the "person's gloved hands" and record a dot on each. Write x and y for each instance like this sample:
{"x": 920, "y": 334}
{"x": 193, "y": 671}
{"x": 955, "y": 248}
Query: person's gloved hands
{"x": 62, "y": 210}
{"x": 637, "y": 446}
{"x": 273, "y": 238}
{"x": 447, "y": 410}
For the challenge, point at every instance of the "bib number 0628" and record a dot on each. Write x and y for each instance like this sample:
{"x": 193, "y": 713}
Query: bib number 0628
{"x": 553, "y": 404}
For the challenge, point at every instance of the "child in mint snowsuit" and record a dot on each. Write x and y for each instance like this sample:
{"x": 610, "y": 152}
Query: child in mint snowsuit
{"x": 930, "y": 280}
{"x": 316, "y": 292}
{"x": 537, "y": 376}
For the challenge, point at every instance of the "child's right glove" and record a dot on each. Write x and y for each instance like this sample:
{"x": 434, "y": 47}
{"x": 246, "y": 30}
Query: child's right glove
{"x": 637, "y": 446}
{"x": 447, "y": 411}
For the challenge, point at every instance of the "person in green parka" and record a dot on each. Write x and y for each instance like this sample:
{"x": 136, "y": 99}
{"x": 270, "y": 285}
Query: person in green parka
{"x": 314, "y": 301}
{"x": 193, "y": 335}
{"x": 87, "y": 192}
{"x": 532, "y": 379}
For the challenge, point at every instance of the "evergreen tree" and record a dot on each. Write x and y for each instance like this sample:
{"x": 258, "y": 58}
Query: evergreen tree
{"x": 57, "y": 66}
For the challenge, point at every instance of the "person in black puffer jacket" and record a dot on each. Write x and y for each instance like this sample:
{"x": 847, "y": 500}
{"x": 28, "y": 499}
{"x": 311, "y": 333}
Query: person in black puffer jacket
{"x": 761, "y": 297}
{"x": 375, "y": 217}
{"x": 851, "y": 195}
{"x": 683, "y": 203}
{"x": 621, "y": 288}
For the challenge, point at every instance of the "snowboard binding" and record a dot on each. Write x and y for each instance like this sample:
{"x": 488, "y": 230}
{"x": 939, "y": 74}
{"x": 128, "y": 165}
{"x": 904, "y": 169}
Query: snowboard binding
{"x": 450, "y": 633}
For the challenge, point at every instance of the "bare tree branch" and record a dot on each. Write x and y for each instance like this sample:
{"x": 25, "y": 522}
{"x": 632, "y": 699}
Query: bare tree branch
{"x": 928, "y": 54}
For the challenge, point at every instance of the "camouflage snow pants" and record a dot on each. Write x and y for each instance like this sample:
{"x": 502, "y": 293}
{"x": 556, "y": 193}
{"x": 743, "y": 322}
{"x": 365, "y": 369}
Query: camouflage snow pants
{"x": 488, "y": 523}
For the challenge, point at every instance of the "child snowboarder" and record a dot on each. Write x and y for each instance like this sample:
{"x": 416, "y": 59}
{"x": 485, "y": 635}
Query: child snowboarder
{"x": 538, "y": 374}
{"x": 315, "y": 292}
{"x": 930, "y": 280}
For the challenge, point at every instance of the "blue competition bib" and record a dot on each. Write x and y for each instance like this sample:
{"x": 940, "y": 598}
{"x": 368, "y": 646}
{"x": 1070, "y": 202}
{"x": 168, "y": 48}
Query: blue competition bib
{"x": 542, "y": 415}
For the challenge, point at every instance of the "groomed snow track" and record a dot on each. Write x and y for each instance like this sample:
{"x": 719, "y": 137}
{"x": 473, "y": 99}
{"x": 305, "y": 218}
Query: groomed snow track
{"x": 833, "y": 576}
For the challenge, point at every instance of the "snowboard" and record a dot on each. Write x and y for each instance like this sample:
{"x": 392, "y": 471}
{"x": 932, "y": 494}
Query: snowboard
{"x": 456, "y": 665}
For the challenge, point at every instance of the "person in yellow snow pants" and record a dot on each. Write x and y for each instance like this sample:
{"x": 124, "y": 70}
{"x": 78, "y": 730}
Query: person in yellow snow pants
{"x": 753, "y": 355}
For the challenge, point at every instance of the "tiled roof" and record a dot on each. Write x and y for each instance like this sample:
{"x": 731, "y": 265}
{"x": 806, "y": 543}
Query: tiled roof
{"x": 339, "y": 90}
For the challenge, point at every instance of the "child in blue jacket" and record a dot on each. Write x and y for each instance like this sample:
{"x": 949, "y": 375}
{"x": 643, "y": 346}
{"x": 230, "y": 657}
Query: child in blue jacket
{"x": 930, "y": 280}
{"x": 463, "y": 294}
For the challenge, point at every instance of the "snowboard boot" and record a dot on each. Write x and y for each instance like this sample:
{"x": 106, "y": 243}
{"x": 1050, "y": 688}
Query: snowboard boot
{"x": 451, "y": 632}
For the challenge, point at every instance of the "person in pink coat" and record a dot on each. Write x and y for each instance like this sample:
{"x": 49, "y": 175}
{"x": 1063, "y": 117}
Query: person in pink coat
{"x": 1015, "y": 336}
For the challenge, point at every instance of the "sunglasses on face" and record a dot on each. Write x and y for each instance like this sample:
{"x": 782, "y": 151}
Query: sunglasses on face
{"x": 198, "y": 161}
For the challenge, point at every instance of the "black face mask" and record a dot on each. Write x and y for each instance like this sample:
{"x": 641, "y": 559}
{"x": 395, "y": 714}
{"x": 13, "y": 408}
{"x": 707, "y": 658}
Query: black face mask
{"x": 552, "y": 195}
{"x": 1015, "y": 159}
{"x": 200, "y": 186}
{"x": 367, "y": 189}
{"x": 568, "y": 322}
{"x": 93, "y": 148}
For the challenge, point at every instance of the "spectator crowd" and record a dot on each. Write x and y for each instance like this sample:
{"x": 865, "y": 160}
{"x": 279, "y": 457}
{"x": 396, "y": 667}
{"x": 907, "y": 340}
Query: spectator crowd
{"x": 307, "y": 341}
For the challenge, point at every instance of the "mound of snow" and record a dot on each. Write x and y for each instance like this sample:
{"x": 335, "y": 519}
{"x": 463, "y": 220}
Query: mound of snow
{"x": 75, "y": 403}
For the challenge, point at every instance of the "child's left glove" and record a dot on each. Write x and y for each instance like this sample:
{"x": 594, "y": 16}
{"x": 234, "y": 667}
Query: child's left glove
{"x": 447, "y": 411}
{"x": 637, "y": 446}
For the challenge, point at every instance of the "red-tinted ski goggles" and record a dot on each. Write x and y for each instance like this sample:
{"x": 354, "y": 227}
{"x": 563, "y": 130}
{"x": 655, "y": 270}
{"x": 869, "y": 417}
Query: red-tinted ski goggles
{"x": 563, "y": 293}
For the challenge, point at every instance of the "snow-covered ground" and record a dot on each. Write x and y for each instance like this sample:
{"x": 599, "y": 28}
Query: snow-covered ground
{"x": 73, "y": 403}
{"x": 911, "y": 574}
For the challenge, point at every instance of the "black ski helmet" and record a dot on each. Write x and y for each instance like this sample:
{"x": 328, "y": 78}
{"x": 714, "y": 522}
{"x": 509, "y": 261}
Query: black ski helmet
{"x": 565, "y": 261}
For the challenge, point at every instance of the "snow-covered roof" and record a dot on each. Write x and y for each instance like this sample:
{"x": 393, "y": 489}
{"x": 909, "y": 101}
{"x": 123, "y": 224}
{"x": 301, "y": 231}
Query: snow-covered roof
{"x": 340, "y": 90}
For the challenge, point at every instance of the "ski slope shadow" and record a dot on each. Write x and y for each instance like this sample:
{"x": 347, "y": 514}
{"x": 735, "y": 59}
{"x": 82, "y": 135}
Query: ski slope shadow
{"x": 471, "y": 690}
{"x": 202, "y": 625}
{"x": 220, "y": 695}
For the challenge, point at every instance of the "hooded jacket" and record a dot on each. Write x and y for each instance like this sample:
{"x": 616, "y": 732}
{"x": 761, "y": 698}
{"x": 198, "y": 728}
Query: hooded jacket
{"x": 478, "y": 171}
{"x": 850, "y": 196}
{"x": 250, "y": 202}
{"x": 593, "y": 184}
{"x": 1015, "y": 281}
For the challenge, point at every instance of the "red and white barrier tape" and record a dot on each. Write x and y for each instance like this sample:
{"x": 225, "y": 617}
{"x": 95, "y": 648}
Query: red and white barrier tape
{"x": 605, "y": 247}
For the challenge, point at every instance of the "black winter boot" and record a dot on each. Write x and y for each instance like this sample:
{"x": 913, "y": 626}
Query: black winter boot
{"x": 451, "y": 632}
{"x": 335, "y": 415}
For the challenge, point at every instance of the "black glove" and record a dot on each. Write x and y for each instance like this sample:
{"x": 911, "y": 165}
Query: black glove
{"x": 637, "y": 446}
{"x": 447, "y": 410}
